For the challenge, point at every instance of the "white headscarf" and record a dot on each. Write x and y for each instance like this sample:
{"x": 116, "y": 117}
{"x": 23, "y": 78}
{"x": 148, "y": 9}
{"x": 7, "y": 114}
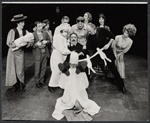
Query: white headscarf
{"x": 65, "y": 26}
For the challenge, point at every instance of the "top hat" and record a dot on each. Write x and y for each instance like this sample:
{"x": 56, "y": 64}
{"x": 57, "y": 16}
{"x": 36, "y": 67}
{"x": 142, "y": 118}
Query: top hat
{"x": 18, "y": 17}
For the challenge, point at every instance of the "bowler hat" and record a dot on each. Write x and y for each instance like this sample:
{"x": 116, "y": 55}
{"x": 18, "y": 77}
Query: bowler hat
{"x": 46, "y": 21}
{"x": 18, "y": 17}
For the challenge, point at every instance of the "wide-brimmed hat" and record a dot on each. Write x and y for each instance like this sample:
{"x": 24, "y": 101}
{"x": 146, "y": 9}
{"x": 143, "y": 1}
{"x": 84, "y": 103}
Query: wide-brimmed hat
{"x": 46, "y": 21}
{"x": 18, "y": 17}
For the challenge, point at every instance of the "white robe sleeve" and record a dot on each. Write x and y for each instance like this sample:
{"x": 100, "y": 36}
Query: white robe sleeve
{"x": 60, "y": 44}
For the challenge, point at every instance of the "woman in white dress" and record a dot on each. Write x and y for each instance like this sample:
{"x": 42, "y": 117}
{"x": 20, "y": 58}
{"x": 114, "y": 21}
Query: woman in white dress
{"x": 58, "y": 55}
{"x": 75, "y": 96}
{"x": 121, "y": 45}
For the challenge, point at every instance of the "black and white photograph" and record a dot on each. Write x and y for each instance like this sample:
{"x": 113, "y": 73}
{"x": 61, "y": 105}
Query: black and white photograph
{"x": 74, "y": 61}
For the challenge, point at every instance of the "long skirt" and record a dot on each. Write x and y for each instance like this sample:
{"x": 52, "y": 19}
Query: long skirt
{"x": 15, "y": 67}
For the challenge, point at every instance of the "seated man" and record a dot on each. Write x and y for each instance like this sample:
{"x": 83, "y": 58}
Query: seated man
{"x": 77, "y": 47}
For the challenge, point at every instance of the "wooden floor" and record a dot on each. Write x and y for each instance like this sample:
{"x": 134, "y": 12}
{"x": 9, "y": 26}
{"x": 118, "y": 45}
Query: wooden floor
{"x": 38, "y": 104}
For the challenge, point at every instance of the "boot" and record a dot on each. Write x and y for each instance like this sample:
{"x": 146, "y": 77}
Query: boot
{"x": 22, "y": 87}
{"x": 124, "y": 91}
{"x": 15, "y": 87}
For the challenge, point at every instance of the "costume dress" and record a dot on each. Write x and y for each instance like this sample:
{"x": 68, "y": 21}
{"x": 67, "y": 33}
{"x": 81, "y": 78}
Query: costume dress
{"x": 74, "y": 95}
{"x": 120, "y": 46}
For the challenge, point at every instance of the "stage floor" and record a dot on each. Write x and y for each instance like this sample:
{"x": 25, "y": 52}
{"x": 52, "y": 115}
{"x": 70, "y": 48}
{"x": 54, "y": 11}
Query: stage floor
{"x": 38, "y": 104}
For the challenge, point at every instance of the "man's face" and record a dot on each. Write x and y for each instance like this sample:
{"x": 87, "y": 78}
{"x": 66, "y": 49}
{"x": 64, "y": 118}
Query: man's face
{"x": 73, "y": 39}
{"x": 80, "y": 23}
{"x": 39, "y": 26}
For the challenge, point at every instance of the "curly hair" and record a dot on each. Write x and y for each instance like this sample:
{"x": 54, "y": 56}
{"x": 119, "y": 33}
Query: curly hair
{"x": 89, "y": 16}
{"x": 130, "y": 28}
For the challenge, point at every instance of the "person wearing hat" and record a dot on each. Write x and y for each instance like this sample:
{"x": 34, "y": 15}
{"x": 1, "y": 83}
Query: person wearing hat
{"x": 46, "y": 26}
{"x": 15, "y": 59}
{"x": 40, "y": 53}
{"x": 104, "y": 40}
{"x": 58, "y": 55}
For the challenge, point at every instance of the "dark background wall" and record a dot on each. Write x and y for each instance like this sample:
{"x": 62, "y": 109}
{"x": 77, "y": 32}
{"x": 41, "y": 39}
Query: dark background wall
{"x": 117, "y": 15}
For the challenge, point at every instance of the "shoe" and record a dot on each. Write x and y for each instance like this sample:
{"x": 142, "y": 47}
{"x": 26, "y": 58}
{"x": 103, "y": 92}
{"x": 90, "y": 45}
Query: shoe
{"x": 22, "y": 86}
{"x": 51, "y": 89}
{"x": 15, "y": 88}
{"x": 38, "y": 85}
{"x": 124, "y": 91}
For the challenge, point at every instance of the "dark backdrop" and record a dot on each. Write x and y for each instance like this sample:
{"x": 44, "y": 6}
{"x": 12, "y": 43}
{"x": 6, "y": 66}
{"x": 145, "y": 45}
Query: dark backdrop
{"x": 117, "y": 15}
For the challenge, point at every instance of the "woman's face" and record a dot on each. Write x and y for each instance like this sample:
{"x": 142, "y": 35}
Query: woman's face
{"x": 85, "y": 16}
{"x": 101, "y": 21}
{"x": 64, "y": 33}
{"x": 125, "y": 34}
{"x": 21, "y": 24}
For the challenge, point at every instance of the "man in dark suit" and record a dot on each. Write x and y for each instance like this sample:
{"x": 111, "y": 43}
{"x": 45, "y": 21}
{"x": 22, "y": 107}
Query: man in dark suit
{"x": 40, "y": 53}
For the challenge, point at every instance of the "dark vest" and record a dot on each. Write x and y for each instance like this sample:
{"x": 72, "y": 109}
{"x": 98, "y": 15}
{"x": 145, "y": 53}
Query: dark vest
{"x": 17, "y": 33}
{"x": 17, "y": 36}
